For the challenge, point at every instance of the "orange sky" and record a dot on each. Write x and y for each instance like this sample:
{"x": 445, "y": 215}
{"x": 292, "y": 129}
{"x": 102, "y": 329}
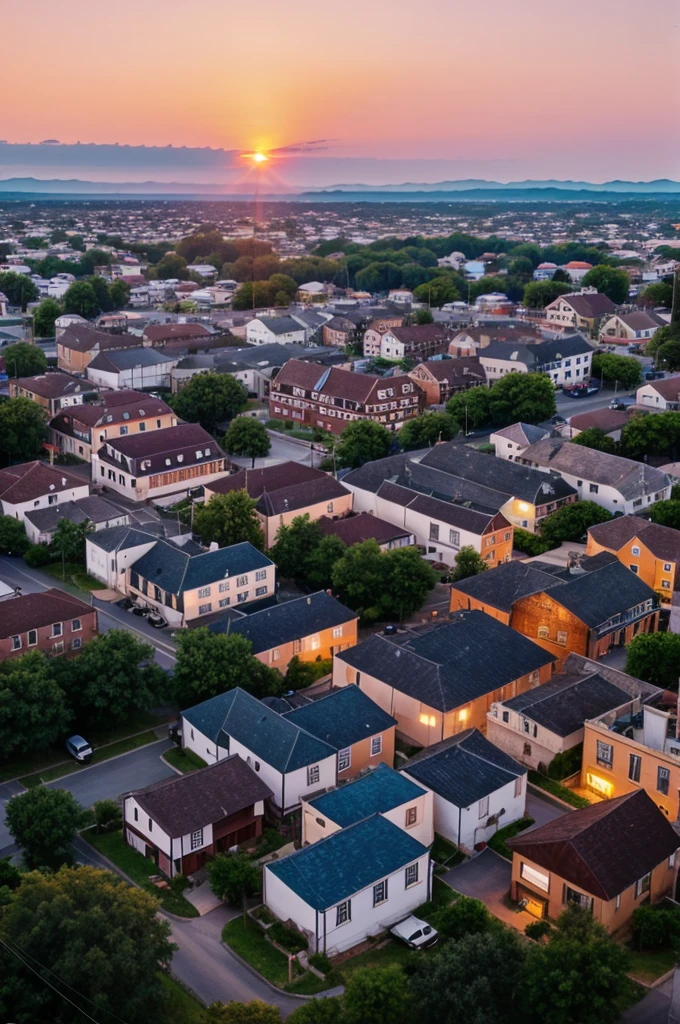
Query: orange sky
{"x": 577, "y": 89}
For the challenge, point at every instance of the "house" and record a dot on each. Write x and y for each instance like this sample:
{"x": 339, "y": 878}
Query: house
{"x": 477, "y": 787}
{"x": 332, "y": 398}
{"x": 536, "y": 726}
{"x": 584, "y": 310}
{"x": 663, "y": 395}
{"x": 94, "y": 510}
{"x": 354, "y": 529}
{"x": 423, "y": 677}
{"x": 79, "y": 342}
{"x": 180, "y": 822}
{"x": 183, "y": 587}
{"x": 131, "y": 368}
{"x": 338, "y": 331}
{"x": 313, "y": 321}
{"x": 290, "y": 761}
{"x": 285, "y": 491}
{"x": 314, "y": 291}
{"x": 617, "y": 484}
{"x": 283, "y": 330}
{"x": 646, "y": 548}
{"x": 110, "y": 553}
{"x": 34, "y": 485}
{"x": 566, "y": 360}
{"x": 545, "y": 271}
{"x": 50, "y": 621}
{"x": 608, "y": 858}
{"x": 510, "y": 441}
{"x": 355, "y": 883}
{"x": 637, "y": 327}
{"x": 160, "y": 334}
{"x": 587, "y": 609}
{"x": 51, "y": 391}
{"x": 577, "y": 269}
{"x": 380, "y": 791}
{"x": 441, "y": 378}
{"x": 357, "y": 727}
{"x": 609, "y": 421}
{"x": 470, "y": 340}
{"x": 418, "y": 342}
{"x": 311, "y": 628}
{"x": 146, "y": 465}
{"x": 402, "y": 296}
{"x": 375, "y": 331}
{"x": 115, "y": 414}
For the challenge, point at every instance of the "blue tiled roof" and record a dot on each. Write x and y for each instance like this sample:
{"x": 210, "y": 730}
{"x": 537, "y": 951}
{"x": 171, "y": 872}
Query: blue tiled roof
{"x": 350, "y": 860}
{"x": 176, "y": 571}
{"x": 288, "y": 621}
{"x": 379, "y": 791}
{"x": 342, "y": 718}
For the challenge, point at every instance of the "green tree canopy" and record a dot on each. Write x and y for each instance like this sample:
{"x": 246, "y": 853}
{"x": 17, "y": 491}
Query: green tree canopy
{"x": 426, "y": 430}
{"x": 595, "y": 438}
{"x": 522, "y": 397}
{"x": 247, "y": 437}
{"x": 668, "y": 355}
{"x": 423, "y": 316}
{"x": 69, "y": 539}
{"x": 376, "y": 994}
{"x": 611, "y": 281}
{"x": 33, "y": 710}
{"x": 209, "y": 399}
{"x": 468, "y": 563}
{"x": 13, "y": 539}
{"x": 23, "y": 428}
{"x": 234, "y": 877}
{"x": 659, "y": 293}
{"x": 170, "y": 266}
{"x": 655, "y": 657}
{"x": 19, "y": 289}
{"x": 440, "y": 290}
{"x": 318, "y": 1011}
{"x": 464, "y": 917}
{"x": 44, "y": 317}
{"x": 611, "y": 368}
{"x": 254, "y": 1012}
{"x": 651, "y": 434}
{"x": 23, "y": 359}
{"x": 571, "y": 522}
{"x": 294, "y": 544}
{"x": 43, "y": 822}
{"x": 383, "y": 584}
{"x": 212, "y": 663}
{"x": 229, "y": 519}
{"x": 81, "y": 298}
{"x": 319, "y": 563}
{"x": 119, "y": 294}
{"x": 539, "y": 294}
{"x": 363, "y": 441}
{"x": 666, "y": 513}
{"x": 470, "y": 409}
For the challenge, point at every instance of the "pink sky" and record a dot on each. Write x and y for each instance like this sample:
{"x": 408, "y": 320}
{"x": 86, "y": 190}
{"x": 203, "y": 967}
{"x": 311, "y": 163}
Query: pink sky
{"x": 501, "y": 89}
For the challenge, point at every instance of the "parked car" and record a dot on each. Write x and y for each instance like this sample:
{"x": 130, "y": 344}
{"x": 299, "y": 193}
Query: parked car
{"x": 654, "y": 375}
{"x": 79, "y": 749}
{"x": 126, "y": 604}
{"x": 157, "y": 621}
{"x": 415, "y": 933}
{"x": 621, "y": 404}
{"x": 138, "y": 609}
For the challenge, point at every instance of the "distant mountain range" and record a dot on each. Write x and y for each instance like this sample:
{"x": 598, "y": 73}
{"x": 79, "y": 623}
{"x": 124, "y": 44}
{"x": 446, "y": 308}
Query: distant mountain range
{"x": 659, "y": 185}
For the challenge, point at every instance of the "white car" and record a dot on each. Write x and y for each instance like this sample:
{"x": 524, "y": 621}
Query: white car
{"x": 415, "y": 933}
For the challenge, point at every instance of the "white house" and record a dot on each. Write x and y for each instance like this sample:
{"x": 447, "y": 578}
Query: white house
{"x": 624, "y": 328}
{"x": 134, "y": 368}
{"x": 100, "y": 514}
{"x": 383, "y": 791}
{"x": 35, "y": 485}
{"x": 477, "y": 787}
{"x": 110, "y": 553}
{"x": 402, "y": 296}
{"x": 662, "y": 395}
{"x": 566, "y": 360}
{"x": 291, "y": 761}
{"x": 510, "y": 441}
{"x": 282, "y": 330}
{"x": 357, "y": 882}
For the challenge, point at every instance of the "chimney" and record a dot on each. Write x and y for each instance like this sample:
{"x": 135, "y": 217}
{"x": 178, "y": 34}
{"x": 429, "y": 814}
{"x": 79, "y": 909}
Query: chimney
{"x": 213, "y": 546}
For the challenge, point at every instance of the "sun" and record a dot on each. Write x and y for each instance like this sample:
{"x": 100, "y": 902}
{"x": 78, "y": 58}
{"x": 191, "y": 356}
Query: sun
{"x": 259, "y": 158}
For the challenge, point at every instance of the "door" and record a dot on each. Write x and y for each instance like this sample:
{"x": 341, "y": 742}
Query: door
{"x": 535, "y": 907}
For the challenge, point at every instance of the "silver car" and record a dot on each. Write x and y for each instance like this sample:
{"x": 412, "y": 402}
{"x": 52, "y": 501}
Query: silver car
{"x": 79, "y": 748}
{"x": 415, "y": 933}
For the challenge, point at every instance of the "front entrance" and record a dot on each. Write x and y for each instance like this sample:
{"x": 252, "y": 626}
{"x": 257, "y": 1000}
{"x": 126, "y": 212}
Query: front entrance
{"x": 535, "y": 907}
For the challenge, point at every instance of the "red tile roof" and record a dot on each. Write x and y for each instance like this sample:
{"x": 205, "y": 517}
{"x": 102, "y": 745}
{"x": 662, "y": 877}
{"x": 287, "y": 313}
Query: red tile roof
{"x": 31, "y": 611}
{"x": 32, "y": 480}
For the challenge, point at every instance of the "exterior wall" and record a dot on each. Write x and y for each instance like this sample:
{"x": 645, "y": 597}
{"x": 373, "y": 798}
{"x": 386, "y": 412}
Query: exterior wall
{"x": 505, "y": 449}
{"x": 37, "y": 537}
{"x": 337, "y": 507}
{"x": 156, "y": 376}
{"x": 361, "y": 757}
{"x": 390, "y": 412}
{"x": 423, "y": 830}
{"x": 496, "y": 368}
{"x": 50, "y": 405}
{"x": 459, "y": 601}
{"x": 240, "y": 593}
{"x": 536, "y": 746}
{"x": 655, "y": 572}
{"x": 258, "y": 333}
{"x": 52, "y": 640}
{"x": 552, "y": 902}
{"x": 119, "y": 479}
{"x": 110, "y": 566}
{"x": 529, "y": 516}
{"x": 44, "y": 501}
{"x": 73, "y": 361}
{"x": 609, "y": 497}
{"x": 322, "y": 645}
{"x": 650, "y": 398}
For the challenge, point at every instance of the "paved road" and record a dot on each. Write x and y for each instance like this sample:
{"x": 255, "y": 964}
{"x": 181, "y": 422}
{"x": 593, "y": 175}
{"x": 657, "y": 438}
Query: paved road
{"x": 653, "y": 1009}
{"x": 542, "y": 810}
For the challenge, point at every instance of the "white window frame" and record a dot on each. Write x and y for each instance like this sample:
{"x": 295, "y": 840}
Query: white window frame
{"x": 411, "y": 875}
{"x": 313, "y": 774}
{"x": 197, "y": 839}
{"x": 380, "y": 893}
{"x": 344, "y": 759}
{"x": 376, "y": 745}
{"x": 535, "y": 877}
{"x": 483, "y": 808}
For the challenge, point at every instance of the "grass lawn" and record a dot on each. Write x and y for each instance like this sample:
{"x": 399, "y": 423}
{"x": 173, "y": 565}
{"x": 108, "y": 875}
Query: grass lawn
{"x": 445, "y": 853}
{"x": 248, "y": 942}
{"x": 180, "y": 1006}
{"x": 184, "y": 760}
{"x": 76, "y": 573}
{"x": 100, "y": 754}
{"x": 650, "y": 964}
{"x": 442, "y": 896}
{"x": 138, "y": 868}
{"x": 392, "y": 952}
{"x": 550, "y": 786}
{"x": 498, "y": 841}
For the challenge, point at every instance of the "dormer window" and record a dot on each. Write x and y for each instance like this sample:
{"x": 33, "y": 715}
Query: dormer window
{"x": 199, "y": 454}
{"x": 168, "y": 462}
{"x": 180, "y": 458}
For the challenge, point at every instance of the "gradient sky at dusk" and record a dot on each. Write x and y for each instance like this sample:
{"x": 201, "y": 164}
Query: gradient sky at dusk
{"x": 499, "y": 89}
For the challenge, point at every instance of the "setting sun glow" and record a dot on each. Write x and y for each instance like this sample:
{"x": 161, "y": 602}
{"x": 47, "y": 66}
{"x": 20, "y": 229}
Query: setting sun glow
{"x": 259, "y": 158}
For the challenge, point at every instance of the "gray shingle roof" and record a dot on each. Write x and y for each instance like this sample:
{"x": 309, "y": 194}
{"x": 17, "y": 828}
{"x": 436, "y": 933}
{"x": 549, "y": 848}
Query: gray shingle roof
{"x": 281, "y": 324}
{"x": 632, "y": 479}
{"x": 379, "y": 791}
{"x": 119, "y": 538}
{"x": 464, "y": 768}
{"x": 125, "y": 359}
{"x": 93, "y": 508}
{"x": 522, "y": 433}
{"x": 175, "y": 571}
{"x": 342, "y": 717}
{"x": 564, "y": 703}
{"x": 291, "y": 620}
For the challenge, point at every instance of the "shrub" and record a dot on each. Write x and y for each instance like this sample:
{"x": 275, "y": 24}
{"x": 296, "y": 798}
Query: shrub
{"x": 529, "y": 543}
{"x": 321, "y": 962}
{"x": 654, "y": 927}
{"x": 498, "y": 841}
{"x": 178, "y": 884}
{"x": 287, "y": 937}
{"x": 537, "y": 929}
{"x": 37, "y": 555}
{"x": 10, "y": 877}
{"x": 467, "y": 916}
{"x": 107, "y": 815}
{"x": 567, "y": 763}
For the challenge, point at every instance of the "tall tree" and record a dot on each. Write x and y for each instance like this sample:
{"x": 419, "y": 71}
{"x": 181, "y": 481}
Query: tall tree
{"x": 294, "y": 545}
{"x": 23, "y": 359}
{"x": 655, "y": 657}
{"x": 467, "y": 563}
{"x": 363, "y": 441}
{"x": 524, "y": 397}
{"x": 23, "y": 428}
{"x": 81, "y": 298}
{"x": 19, "y": 289}
{"x": 611, "y": 281}
{"x": 170, "y": 266}
{"x": 229, "y": 519}
{"x": 539, "y": 294}
{"x": 624, "y": 370}
{"x": 34, "y": 713}
{"x": 68, "y": 541}
{"x": 43, "y": 822}
{"x": 571, "y": 522}
{"x": 209, "y": 399}
{"x": 595, "y": 438}
{"x": 470, "y": 409}
{"x": 382, "y": 584}
{"x": 408, "y": 581}
{"x": 119, "y": 293}
{"x": 376, "y": 994}
{"x": 13, "y": 539}
{"x": 44, "y": 318}
{"x": 247, "y": 437}
{"x": 666, "y": 513}
{"x": 318, "y": 1011}
{"x": 212, "y": 663}
{"x": 426, "y": 430}
{"x": 234, "y": 877}
{"x": 319, "y": 564}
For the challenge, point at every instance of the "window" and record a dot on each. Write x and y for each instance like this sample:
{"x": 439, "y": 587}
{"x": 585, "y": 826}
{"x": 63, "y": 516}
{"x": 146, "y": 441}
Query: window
{"x": 376, "y": 745}
{"x": 518, "y": 785}
{"x": 427, "y": 720}
{"x": 58, "y": 648}
{"x": 57, "y": 629}
{"x": 337, "y": 632}
{"x": 380, "y": 892}
{"x": 663, "y": 776}
{"x": 605, "y": 754}
{"x": 642, "y": 884}
{"x": 411, "y": 874}
{"x": 562, "y": 637}
{"x": 505, "y": 715}
{"x": 543, "y": 633}
{"x": 329, "y": 507}
{"x": 242, "y": 581}
{"x": 666, "y": 584}
{"x": 204, "y": 592}
{"x": 136, "y": 814}
{"x": 261, "y": 574}
{"x": 634, "y": 761}
{"x": 76, "y": 643}
{"x": 593, "y": 488}
{"x": 260, "y": 591}
{"x": 223, "y": 587}
{"x": 634, "y": 568}
{"x": 671, "y": 861}
{"x": 16, "y": 643}
{"x": 223, "y": 602}
{"x": 32, "y": 637}
{"x": 667, "y": 567}
{"x": 203, "y": 609}
{"x": 434, "y": 531}
{"x": 313, "y": 774}
{"x": 618, "y": 902}
{"x": 537, "y": 878}
{"x": 454, "y": 538}
{"x": 570, "y": 895}
{"x": 344, "y": 912}
{"x": 76, "y": 626}
{"x": 344, "y": 759}
{"x": 483, "y": 807}
{"x": 142, "y": 426}
{"x": 411, "y": 816}
{"x": 635, "y": 550}
{"x": 196, "y": 838}
{"x": 243, "y": 596}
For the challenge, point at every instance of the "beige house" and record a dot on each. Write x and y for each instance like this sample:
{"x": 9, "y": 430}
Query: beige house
{"x": 79, "y": 429}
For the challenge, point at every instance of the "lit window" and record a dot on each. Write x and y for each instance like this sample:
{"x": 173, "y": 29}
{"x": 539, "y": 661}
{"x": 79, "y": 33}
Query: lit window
{"x": 337, "y": 632}
{"x": 535, "y": 877}
{"x": 427, "y": 720}
{"x": 543, "y": 632}
{"x": 314, "y": 642}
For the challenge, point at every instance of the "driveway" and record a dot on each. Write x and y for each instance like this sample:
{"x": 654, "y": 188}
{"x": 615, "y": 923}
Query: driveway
{"x": 542, "y": 809}
{"x": 487, "y": 878}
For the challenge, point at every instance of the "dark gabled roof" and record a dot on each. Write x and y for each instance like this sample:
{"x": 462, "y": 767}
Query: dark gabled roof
{"x": 662, "y": 541}
{"x": 502, "y": 586}
{"x": 289, "y": 621}
{"x": 606, "y": 590}
{"x": 31, "y": 611}
{"x": 342, "y": 717}
{"x": 569, "y": 699}
{"x": 602, "y": 849}
{"x": 363, "y": 526}
{"x": 523, "y": 434}
{"x": 378, "y": 792}
{"x": 282, "y": 488}
{"x": 270, "y": 736}
{"x": 31, "y": 480}
{"x": 83, "y": 337}
{"x": 175, "y": 571}
{"x": 188, "y": 802}
{"x": 346, "y": 862}
{"x": 452, "y": 663}
{"x": 125, "y": 359}
{"x": 281, "y": 324}
{"x": 93, "y": 509}
{"x": 632, "y": 479}
{"x": 168, "y": 332}
{"x": 588, "y": 306}
{"x": 509, "y": 478}
{"x": 464, "y": 768}
{"x": 119, "y": 538}
{"x": 156, "y": 451}
{"x": 54, "y": 384}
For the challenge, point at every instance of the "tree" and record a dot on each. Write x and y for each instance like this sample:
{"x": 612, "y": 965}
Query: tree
{"x": 464, "y": 917}
{"x": 24, "y": 360}
{"x": 595, "y": 438}
{"x": 33, "y": 710}
{"x": 119, "y": 294}
{"x": 470, "y": 409}
{"x": 468, "y": 563}
{"x": 209, "y": 399}
{"x": 301, "y": 674}
{"x": 408, "y": 581}
{"x": 229, "y": 519}
{"x": 426, "y": 430}
{"x": 363, "y": 441}
{"x": 438, "y": 291}
{"x": 319, "y": 564}
{"x": 666, "y": 513}
{"x": 234, "y": 877}
{"x": 81, "y": 298}
{"x": 657, "y": 434}
{"x": 611, "y": 281}
{"x": 376, "y": 994}
{"x": 68, "y": 541}
{"x": 660, "y": 337}
{"x": 108, "y": 816}
{"x": 382, "y": 584}
{"x": 43, "y": 822}
{"x": 101, "y": 290}
{"x": 660, "y": 293}
{"x": 572, "y": 522}
{"x": 247, "y": 437}
{"x": 19, "y": 289}
{"x": 254, "y": 1012}
{"x": 655, "y": 657}
{"x": 318, "y": 1011}
{"x": 44, "y": 318}
{"x": 13, "y": 539}
{"x": 522, "y": 397}
{"x": 23, "y": 428}
{"x": 611, "y": 368}
{"x": 477, "y": 980}
{"x": 171, "y": 266}
{"x": 668, "y": 355}
{"x": 539, "y": 294}
{"x": 423, "y": 316}
{"x": 100, "y": 939}
{"x": 359, "y": 577}
{"x": 293, "y": 546}
{"x": 113, "y": 676}
{"x": 577, "y": 976}
{"x": 212, "y": 663}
